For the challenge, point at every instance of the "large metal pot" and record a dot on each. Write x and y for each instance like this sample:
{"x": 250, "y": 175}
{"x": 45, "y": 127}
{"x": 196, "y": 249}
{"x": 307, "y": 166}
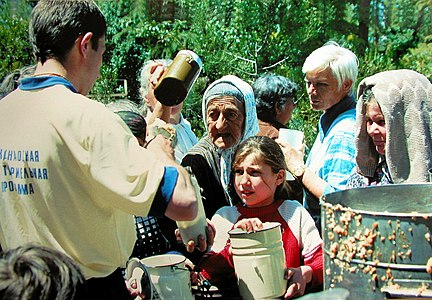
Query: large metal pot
{"x": 377, "y": 241}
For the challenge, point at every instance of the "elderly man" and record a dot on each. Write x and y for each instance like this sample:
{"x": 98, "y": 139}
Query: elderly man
{"x": 330, "y": 74}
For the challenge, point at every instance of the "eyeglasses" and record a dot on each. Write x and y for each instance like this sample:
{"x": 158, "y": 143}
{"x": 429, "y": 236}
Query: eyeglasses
{"x": 297, "y": 99}
{"x": 294, "y": 100}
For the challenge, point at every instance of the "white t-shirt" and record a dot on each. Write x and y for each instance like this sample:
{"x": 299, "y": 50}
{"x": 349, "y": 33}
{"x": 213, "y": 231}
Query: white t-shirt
{"x": 72, "y": 176}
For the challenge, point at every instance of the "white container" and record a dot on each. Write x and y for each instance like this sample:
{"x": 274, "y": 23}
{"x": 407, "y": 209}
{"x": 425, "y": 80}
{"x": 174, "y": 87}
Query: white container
{"x": 169, "y": 276}
{"x": 259, "y": 262}
{"x": 294, "y": 138}
{"x": 190, "y": 230}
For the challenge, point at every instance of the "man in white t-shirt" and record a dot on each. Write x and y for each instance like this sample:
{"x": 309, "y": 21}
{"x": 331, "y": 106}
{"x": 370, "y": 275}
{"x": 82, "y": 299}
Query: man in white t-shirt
{"x": 72, "y": 174}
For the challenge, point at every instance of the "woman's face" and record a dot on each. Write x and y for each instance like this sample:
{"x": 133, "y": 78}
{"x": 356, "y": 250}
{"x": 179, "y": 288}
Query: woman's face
{"x": 225, "y": 121}
{"x": 375, "y": 126}
{"x": 255, "y": 182}
{"x": 284, "y": 113}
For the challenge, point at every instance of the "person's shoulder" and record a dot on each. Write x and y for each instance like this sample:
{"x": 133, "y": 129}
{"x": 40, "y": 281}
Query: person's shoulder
{"x": 290, "y": 209}
{"x": 291, "y": 203}
{"x": 344, "y": 124}
{"x": 347, "y": 116}
{"x": 74, "y": 99}
{"x": 266, "y": 129}
{"x": 204, "y": 145}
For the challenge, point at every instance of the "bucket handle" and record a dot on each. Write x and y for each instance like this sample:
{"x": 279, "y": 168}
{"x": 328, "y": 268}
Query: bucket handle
{"x": 173, "y": 268}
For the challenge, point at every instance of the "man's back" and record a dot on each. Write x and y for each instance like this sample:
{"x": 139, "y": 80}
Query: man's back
{"x": 59, "y": 186}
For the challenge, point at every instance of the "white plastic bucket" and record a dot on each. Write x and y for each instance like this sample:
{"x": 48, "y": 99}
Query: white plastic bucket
{"x": 259, "y": 262}
{"x": 190, "y": 230}
{"x": 169, "y": 276}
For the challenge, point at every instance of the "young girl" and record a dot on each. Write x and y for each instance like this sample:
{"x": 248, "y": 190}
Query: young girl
{"x": 259, "y": 180}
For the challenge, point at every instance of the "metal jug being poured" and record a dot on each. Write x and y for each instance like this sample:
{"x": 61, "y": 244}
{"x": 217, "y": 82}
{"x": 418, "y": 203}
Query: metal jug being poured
{"x": 180, "y": 76}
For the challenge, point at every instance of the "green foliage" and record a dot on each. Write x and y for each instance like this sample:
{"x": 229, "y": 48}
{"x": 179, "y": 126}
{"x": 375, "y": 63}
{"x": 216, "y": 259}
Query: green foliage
{"x": 419, "y": 59}
{"x": 246, "y": 38}
{"x": 15, "y": 50}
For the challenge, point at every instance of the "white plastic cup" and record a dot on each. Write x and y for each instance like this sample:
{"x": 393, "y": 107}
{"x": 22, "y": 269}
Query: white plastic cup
{"x": 294, "y": 138}
{"x": 190, "y": 230}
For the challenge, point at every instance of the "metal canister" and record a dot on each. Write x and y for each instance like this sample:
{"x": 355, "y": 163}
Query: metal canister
{"x": 180, "y": 76}
{"x": 377, "y": 241}
{"x": 259, "y": 262}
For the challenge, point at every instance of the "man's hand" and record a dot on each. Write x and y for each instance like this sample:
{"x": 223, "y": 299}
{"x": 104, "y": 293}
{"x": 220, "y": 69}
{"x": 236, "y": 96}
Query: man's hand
{"x": 293, "y": 158}
{"x": 204, "y": 244}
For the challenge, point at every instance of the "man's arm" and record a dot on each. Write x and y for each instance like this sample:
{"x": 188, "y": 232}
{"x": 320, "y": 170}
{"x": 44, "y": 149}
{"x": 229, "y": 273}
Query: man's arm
{"x": 183, "y": 205}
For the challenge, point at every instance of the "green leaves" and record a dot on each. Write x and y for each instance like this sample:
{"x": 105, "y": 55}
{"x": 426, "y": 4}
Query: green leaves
{"x": 242, "y": 37}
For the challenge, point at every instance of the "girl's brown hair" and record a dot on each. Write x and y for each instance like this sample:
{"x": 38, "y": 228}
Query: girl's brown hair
{"x": 267, "y": 151}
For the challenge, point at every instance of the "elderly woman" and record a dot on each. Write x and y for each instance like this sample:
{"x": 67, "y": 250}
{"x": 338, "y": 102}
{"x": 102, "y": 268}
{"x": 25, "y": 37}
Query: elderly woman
{"x": 394, "y": 132}
{"x": 230, "y": 117}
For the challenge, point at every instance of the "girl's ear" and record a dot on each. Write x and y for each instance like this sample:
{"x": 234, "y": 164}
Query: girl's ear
{"x": 280, "y": 176}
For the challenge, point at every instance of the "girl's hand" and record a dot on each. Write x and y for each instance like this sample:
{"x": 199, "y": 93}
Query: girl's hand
{"x": 297, "y": 278}
{"x": 249, "y": 225}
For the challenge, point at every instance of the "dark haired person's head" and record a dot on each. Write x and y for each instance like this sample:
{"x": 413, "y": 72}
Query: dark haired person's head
{"x": 275, "y": 97}
{"x": 56, "y": 24}
{"x": 38, "y": 272}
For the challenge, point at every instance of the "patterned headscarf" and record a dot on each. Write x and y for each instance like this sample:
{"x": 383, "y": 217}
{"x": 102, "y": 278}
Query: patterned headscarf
{"x": 231, "y": 85}
{"x": 405, "y": 99}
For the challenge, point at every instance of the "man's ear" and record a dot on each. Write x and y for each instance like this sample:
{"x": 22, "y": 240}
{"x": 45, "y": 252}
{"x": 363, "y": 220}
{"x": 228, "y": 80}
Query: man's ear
{"x": 346, "y": 85}
{"x": 85, "y": 43}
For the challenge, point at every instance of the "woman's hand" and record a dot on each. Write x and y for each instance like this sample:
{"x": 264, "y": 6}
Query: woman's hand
{"x": 297, "y": 278}
{"x": 249, "y": 225}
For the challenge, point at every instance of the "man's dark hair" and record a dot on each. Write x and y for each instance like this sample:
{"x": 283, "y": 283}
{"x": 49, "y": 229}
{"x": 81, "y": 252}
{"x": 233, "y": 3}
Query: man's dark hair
{"x": 272, "y": 91}
{"x": 56, "y": 24}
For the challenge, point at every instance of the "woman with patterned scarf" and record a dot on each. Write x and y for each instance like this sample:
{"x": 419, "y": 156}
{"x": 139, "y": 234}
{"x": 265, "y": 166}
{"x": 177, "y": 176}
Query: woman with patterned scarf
{"x": 394, "y": 129}
{"x": 229, "y": 114}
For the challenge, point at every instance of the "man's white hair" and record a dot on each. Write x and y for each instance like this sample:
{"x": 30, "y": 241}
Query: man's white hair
{"x": 342, "y": 62}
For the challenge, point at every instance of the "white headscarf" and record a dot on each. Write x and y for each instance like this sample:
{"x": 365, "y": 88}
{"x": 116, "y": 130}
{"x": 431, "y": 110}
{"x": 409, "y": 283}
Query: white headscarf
{"x": 242, "y": 91}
